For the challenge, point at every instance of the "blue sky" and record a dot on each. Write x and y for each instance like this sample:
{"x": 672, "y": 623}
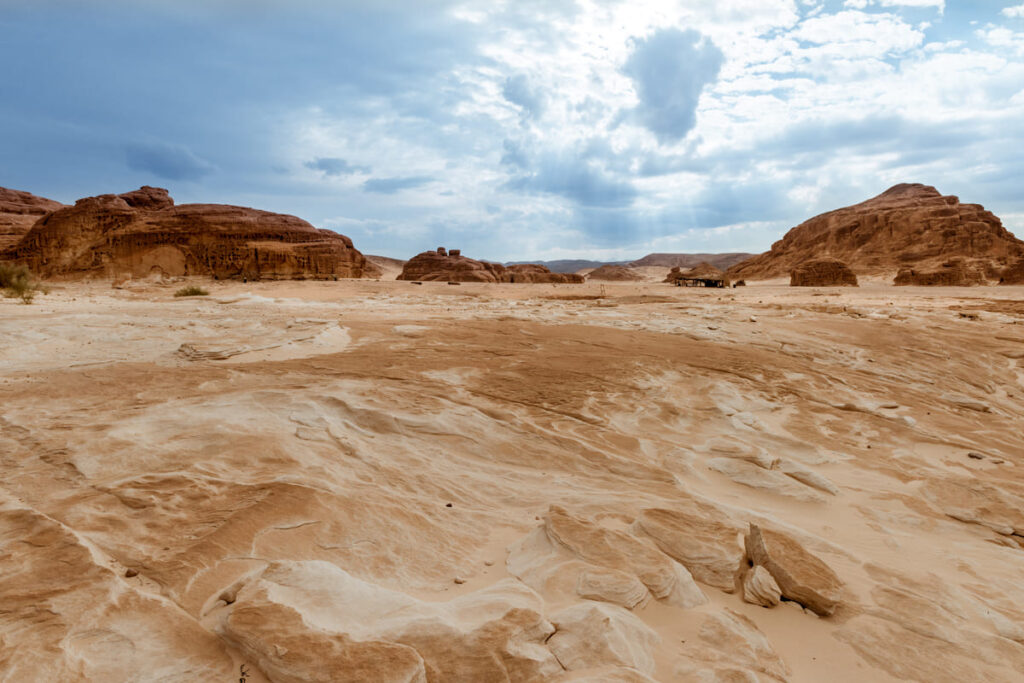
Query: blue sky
{"x": 519, "y": 129}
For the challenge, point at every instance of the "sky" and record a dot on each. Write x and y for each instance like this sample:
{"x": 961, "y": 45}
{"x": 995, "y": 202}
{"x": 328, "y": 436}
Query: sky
{"x": 519, "y": 129}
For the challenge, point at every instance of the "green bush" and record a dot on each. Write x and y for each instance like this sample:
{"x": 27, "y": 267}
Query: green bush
{"x": 18, "y": 283}
{"x": 191, "y": 290}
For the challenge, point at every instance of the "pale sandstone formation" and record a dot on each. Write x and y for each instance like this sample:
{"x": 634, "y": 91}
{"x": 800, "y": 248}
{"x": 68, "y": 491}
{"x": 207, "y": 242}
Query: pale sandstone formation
{"x": 614, "y": 274}
{"x": 140, "y": 233}
{"x": 702, "y": 270}
{"x": 956, "y": 272}
{"x": 18, "y": 212}
{"x": 824, "y": 272}
{"x": 760, "y": 588}
{"x": 366, "y": 481}
{"x": 593, "y": 635}
{"x": 800, "y": 576}
{"x": 907, "y": 226}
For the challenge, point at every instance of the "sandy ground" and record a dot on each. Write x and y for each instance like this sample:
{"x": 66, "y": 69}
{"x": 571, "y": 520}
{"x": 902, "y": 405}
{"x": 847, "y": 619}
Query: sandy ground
{"x": 201, "y": 488}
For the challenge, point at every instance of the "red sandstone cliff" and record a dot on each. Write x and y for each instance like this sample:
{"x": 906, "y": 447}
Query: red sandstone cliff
{"x": 140, "y": 232}
{"x": 909, "y": 225}
{"x": 18, "y": 212}
{"x": 444, "y": 265}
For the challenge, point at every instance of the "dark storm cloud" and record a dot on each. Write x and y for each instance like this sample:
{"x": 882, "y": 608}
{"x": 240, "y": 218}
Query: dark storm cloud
{"x": 670, "y": 70}
{"x": 394, "y": 185}
{"x": 170, "y": 162}
{"x": 333, "y": 166}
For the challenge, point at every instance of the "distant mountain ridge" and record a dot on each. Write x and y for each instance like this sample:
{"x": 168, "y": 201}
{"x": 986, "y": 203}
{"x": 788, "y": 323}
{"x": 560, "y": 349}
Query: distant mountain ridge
{"x": 721, "y": 261}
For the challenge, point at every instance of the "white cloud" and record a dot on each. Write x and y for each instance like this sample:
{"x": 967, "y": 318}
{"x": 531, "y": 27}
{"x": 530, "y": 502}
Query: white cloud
{"x": 1014, "y": 12}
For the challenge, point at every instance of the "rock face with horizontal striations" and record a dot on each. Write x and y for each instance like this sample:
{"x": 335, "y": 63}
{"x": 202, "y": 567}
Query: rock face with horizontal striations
{"x": 953, "y": 273}
{"x": 1013, "y": 275}
{"x": 18, "y": 212}
{"x": 825, "y": 272}
{"x": 908, "y": 225}
{"x": 143, "y": 232}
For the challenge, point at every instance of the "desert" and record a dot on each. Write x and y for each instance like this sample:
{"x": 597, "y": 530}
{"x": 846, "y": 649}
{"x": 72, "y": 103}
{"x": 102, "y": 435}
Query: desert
{"x": 512, "y": 342}
{"x": 366, "y": 480}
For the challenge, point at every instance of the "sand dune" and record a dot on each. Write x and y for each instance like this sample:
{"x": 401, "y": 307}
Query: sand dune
{"x": 365, "y": 480}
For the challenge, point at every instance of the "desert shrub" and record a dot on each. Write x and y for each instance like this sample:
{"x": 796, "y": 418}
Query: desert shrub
{"x": 17, "y": 282}
{"x": 191, "y": 290}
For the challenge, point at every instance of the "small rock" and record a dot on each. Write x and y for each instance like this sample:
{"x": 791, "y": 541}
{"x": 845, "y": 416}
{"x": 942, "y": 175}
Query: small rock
{"x": 975, "y": 456}
{"x": 131, "y": 572}
{"x": 489, "y": 563}
{"x": 759, "y": 588}
{"x": 459, "y": 580}
{"x": 801, "y": 576}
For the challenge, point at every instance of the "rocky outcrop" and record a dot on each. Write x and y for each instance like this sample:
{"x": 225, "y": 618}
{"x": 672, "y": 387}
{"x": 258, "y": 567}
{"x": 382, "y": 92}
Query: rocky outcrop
{"x": 703, "y": 270}
{"x": 18, "y": 212}
{"x": 142, "y": 232}
{"x": 440, "y": 265}
{"x": 614, "y": 274}
{"x": 530, "y": 272}
{"x": 825, "y": 272}
{"x": 953, "y": 273}
{"x": 909, "y": 225}
{"x": 1014, "y": 275}
{"x": 799, "y": 575}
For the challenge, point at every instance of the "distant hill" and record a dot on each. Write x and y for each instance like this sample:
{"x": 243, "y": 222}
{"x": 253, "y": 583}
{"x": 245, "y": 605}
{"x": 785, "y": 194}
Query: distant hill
{"x": 568, "y": 265}
{"x": 720, "y": 261}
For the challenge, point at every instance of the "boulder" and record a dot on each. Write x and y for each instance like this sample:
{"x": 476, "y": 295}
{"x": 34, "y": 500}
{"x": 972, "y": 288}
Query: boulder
{"x": 824, "y": 272}
{"x": 440, "y": 265}
{"x": 759, "y": 588}
{"x": 956, "y": 272}
{"x": 18, "y": 212}
{"x": 907, "y": 226}
{"x": 701, "y": 538}
{"x": 138, "y": 233}
{"x": 801, "y": 577}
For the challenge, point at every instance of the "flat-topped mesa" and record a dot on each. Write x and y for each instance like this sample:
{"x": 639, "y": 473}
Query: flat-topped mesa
{"x": 18, "y": 213}
{"x": 143, "y": 232}
{"x": 449, "y": 265}
{"x": 907, "y": 226}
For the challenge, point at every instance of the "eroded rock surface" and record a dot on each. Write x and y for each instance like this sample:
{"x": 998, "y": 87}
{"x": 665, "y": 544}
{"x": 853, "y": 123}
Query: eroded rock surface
{"x": 822, "y": 272}
{"x": 800, "y": 576}
{"x": 18, "y": 212}
{"x": 143, "y": 232}
{"x": 907, "y": 226}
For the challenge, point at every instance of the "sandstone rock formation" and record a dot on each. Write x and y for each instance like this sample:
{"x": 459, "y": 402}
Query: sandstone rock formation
{"x": 142, "y": 232}
{"x": 800, "y": 576}
{"x": 908, "y": 225}
{"x": 533, "y": 273}
{"x": 18, "y": 212}
{"x": 953, "y": 273}
{"x": 702, "y": 270}
{"x": 440, "y": 265}
{"x": 614, "y": 274}
{"x": 824, "y": 272}
{"x": 1013, "y": 275}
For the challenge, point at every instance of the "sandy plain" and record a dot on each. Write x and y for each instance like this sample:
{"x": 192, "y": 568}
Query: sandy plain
{"x": 370, "y": 480}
